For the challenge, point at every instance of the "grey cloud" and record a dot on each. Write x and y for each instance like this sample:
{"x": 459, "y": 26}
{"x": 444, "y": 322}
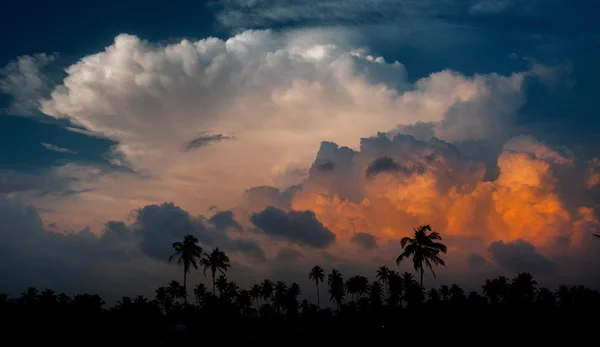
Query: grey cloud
{"x": 262, "y": 13}
{"x": 258, "y": 198}
{"x": 365, "y": 240}
{"x": 383, "y": 164}
{"x": 158, "y": 226}
{"x": 476, "y": 261}
{"x": 71, "y": 262}
{"x": 55, "y": 148}
{"x": 124, "y": 259}
{"x": 299, "y": 227}
{"x": 223, "y": 220}
{"x": 326, "y": 165}
{"x": 25, "y": 81}
{"x": 287, "y": 254}
{"x": 422, "y": 131}
{"x": 205, "y": 140}
{"x": 521, "y": 256}
{"x": 46, "y": 181}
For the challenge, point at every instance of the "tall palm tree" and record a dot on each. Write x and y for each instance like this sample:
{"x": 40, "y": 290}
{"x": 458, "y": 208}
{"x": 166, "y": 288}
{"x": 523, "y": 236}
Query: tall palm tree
{"x": 317, "y": 275}
{"x": 217, "y": 260}
{"x": 424, "y": 249}
{"x": 383, "y": 275}
{"x": 336, "y": 287}
{"x": 187, "y": 251}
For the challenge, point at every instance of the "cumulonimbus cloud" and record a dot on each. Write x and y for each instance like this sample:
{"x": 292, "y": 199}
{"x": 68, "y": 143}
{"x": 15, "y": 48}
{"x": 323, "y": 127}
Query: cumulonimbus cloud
{"x": 281, "y": 95}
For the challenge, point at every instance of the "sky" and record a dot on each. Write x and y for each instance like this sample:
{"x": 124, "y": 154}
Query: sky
{"x": 297, "y": 133}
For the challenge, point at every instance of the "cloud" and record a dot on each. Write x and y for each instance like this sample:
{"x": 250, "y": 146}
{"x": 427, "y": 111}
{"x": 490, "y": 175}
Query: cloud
{"x": 125, "y": 258}
{"x": 267, "y": 13}
{"x": 224, "y": 220}
{"x": 287, "y": 255}
{"x": 520, "y": 256}
{"x": 205, "y": 140}
{"x": 298, "y": 227}
{"x": 365, "y": 240}
{"x": 25, "y": 81}
{"x": 532, "y": 198}
{"x": 55, "y": 148}
{"x": 71, "y": 262}
{"x": 158, "y": 226}
{"x": 476, "y": 261}
{"x": 280, "y": 93}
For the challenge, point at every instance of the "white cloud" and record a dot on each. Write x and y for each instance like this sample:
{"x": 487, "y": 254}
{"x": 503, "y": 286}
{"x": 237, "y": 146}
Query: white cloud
{"x": 55, "y": 148}
{"x": 279, "y": 94}
{"x": 24, "y": 81}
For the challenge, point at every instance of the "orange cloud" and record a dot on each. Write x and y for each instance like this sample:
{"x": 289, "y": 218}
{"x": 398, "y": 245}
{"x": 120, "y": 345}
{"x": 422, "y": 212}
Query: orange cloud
{"x": 523, "y": 202}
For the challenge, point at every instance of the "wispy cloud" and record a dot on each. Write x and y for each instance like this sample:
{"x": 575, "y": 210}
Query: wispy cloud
{"x": 55, "y": 148}
{"x": 205, "y": 140}
{"x": 262, "y": 13}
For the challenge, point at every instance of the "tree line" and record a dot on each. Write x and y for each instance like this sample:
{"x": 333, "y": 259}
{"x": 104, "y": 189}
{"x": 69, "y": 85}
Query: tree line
{"x": 393, "y": 299}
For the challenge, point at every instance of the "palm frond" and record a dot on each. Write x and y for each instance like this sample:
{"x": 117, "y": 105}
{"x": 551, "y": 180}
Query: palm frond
{"x": 405, "y": 241}
{"x": 430, "y": 267}
{"x": 439, "y": 246}
{"x": 435, "y": 236}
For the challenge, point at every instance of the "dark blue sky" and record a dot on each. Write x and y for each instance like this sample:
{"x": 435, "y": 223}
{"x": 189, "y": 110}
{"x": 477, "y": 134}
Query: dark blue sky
{"x": 552, "y": 32}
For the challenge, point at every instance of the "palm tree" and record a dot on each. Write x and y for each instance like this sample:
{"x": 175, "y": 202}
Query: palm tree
{"x": 267, "y": 289}
{"x": 317, "y": 275}
{"x": 200, "y": 293}
{"x": 187, "y": 251}
{"x": 383, "y": 275}
{"x": 217, "y": 260}
{"x": 255, "y": 293}
{"x": 280, "y": 296}
{"x": 336, "y": 287}
{"x": 375, "y": 292}
{"x": 175, "y": 290}
{"x": 221, "y": 284}
{"x": 423, "y": 249}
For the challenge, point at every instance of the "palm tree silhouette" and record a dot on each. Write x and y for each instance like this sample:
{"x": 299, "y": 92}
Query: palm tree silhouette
{"x": 256, "y": 293}
{"x": 375, "y": 293}
{"x": 336, "y": 287}
{"x": 267, "y": 289}
{"x": 187, "y": 251}
{"x": 317, "y": 275}
{"x": 175, "y": 290}
{"x": 423, "y": 248}
{"x": 200, "y": 293}
{"x": 217, "y": 260}
{"x": 383, "y": 274}
{"x": 221, "y": 284}
{"x": 280, "y": 296}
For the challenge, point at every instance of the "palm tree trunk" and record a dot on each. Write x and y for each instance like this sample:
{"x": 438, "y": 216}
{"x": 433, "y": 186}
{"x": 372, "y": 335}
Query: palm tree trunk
{"x": 213, "y": 278}
{"x": 184, "y": 285}
{"x": 318, "y": 298}
{"x": 422, "y": 279}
